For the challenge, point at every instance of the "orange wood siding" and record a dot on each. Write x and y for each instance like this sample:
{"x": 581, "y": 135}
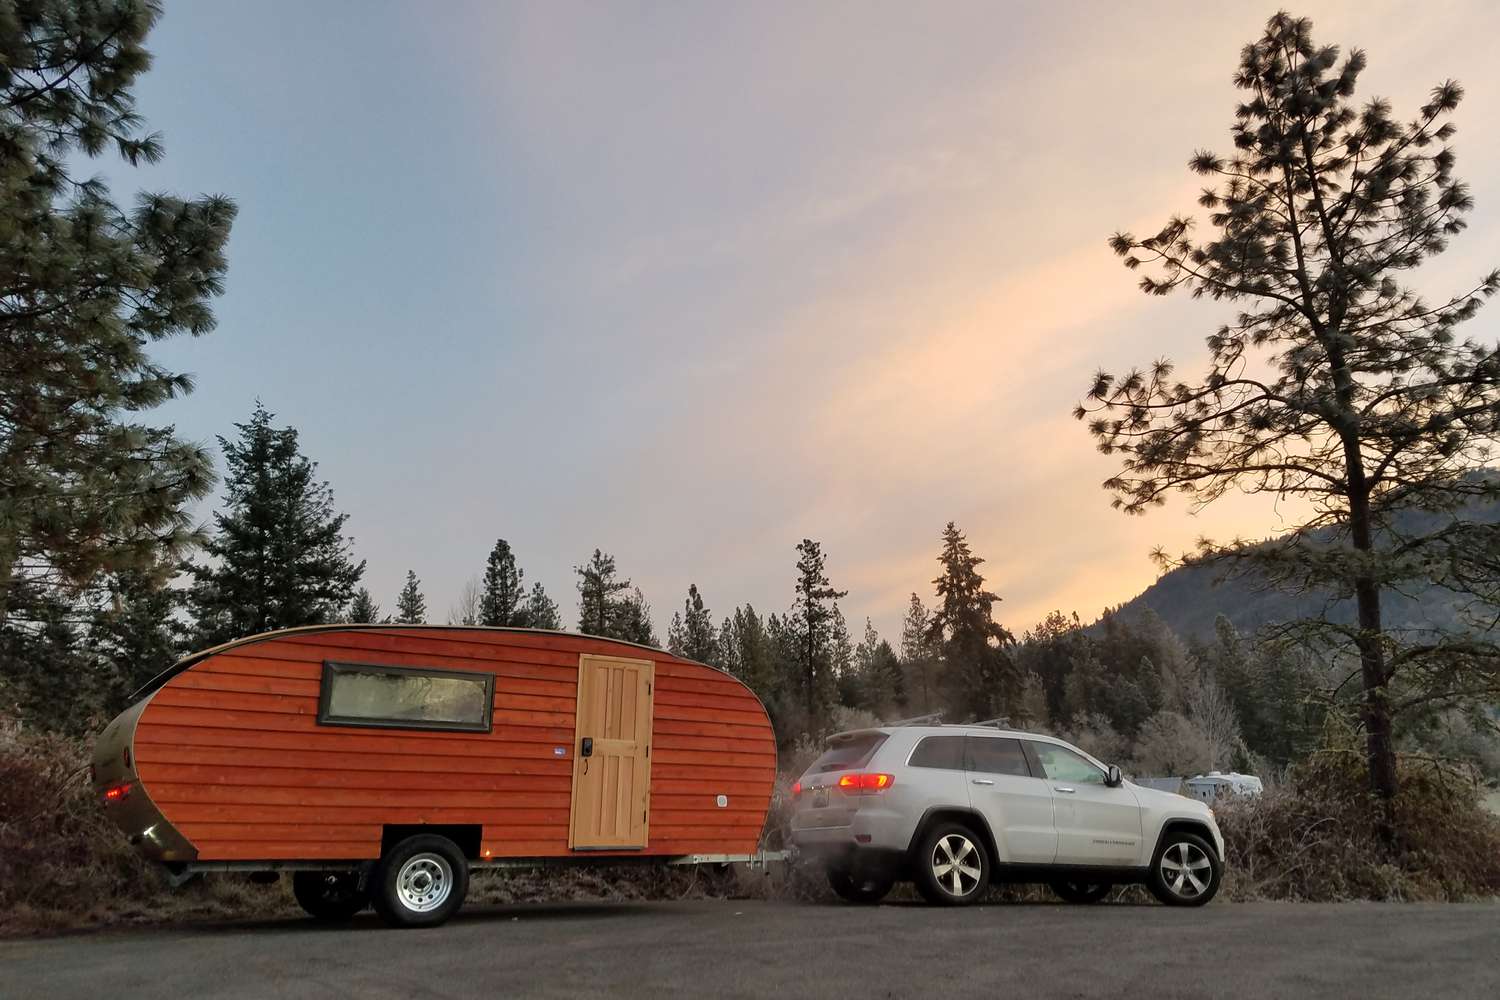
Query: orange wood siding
{"x": 231, "y": 751}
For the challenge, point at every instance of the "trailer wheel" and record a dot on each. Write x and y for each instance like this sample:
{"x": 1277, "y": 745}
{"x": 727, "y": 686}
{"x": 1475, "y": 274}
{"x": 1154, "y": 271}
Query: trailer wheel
{"x": 329, "y": 895}
{"x": 420, "y": 882}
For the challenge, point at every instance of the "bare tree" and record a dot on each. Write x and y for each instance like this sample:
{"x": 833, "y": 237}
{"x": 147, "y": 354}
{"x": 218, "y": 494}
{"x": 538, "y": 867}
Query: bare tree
{"x": 465, "y": 610}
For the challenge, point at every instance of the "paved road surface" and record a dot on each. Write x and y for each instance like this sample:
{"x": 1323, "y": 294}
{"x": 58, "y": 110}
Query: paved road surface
{"x": 754, "y": 949}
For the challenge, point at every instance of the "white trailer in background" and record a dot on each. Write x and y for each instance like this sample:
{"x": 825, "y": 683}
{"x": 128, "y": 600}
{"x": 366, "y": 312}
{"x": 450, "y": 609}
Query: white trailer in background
{"x": 1221, "y": 784}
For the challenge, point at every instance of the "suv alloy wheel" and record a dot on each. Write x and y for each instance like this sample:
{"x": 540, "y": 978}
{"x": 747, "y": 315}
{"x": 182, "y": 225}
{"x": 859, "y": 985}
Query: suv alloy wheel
{"x": 952, "y": 867}
{"x": 1184, "y": 871}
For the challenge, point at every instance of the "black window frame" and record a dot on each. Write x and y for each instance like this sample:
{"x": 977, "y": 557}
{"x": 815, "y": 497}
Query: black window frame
{"x": 963, "y": 752}
{"x": 1031, "y": 772}
{"x": 331, "y": 668}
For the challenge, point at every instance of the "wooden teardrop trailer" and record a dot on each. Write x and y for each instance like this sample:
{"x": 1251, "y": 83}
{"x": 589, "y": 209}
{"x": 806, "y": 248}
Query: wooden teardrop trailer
{"x": 379, "y": 763}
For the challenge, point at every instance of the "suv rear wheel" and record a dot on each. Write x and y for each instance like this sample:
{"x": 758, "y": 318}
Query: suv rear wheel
{"x": 1081, "y": 892}
{"x": 1184, "y": 871}
{"x": 856, "y": 889}
{"x": 952, "y": 867}
{"x": 329, "y": 895}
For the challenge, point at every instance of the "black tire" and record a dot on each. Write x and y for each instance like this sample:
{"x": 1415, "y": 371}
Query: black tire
{"x": 420, "y": 882}
{"x": 1178, "y": 867}
{"x": 331, "y": 896}
{"x": 1081, "y": 892}
{"x": 945, "y": 884}
{"x": 865, "y": 890}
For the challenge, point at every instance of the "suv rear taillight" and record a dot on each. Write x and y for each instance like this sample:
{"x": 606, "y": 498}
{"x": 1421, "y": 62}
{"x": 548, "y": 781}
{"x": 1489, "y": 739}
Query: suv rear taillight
{"x": 796, "y": 790}
{"x": 866, "y": 783}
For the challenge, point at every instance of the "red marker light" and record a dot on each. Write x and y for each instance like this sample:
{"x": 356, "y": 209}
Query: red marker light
{"x": 796, "y": 789}
{"x": 114, "y": 793}
{"x": 866, "y": 784}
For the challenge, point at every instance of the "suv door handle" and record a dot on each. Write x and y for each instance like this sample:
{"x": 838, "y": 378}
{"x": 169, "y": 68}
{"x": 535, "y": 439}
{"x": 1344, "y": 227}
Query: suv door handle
{"x": 983, "y": 781}
{"x": 1064, "y": 788}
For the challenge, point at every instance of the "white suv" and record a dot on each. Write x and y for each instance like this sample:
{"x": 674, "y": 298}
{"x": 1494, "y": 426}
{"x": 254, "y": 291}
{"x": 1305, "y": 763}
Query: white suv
{"x": 954, "y": 808}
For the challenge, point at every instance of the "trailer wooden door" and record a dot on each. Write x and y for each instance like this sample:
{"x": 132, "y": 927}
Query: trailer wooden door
{"x": 611, "y": 754}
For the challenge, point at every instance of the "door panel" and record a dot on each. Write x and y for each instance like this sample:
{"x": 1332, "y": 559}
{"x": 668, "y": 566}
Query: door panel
{"x": 612, "y": 783}
{"x": 1017, "y": 806}
{"x": 1096, "y": 824}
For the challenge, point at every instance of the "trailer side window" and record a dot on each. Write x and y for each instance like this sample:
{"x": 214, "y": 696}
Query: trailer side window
{"x": 364, "y": 694}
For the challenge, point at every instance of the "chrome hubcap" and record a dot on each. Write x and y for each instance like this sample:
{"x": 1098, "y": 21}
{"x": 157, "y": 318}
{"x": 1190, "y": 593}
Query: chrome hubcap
{"x": 1186, "y": 870}
{"x": 424, "y": 882}
{"x": 955, "y": 864}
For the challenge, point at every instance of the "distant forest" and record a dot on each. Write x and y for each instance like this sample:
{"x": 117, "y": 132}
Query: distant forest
{"x": 1170, "y": 684}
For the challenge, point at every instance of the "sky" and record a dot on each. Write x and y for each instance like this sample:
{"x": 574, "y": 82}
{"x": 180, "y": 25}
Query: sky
{"x": 692, "y": 282}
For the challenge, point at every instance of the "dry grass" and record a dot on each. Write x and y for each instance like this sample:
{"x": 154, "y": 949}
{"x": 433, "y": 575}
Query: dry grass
{"x": 1315, "y": 838}
{"x": 64, "y": 865}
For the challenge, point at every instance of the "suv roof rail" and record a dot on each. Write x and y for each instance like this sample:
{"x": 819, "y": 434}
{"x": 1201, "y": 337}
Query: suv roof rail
{"x": 1000, "y": 722}
{"x": 933, "y": 718}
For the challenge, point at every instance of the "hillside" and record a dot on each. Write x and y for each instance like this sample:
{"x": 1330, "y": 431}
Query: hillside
{"x": 1188, "y": 599}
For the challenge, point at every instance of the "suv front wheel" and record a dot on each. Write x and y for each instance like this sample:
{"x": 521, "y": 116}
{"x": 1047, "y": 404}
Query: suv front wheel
{"x": 1184, "y": 871}
{"x": 952, "y": 867}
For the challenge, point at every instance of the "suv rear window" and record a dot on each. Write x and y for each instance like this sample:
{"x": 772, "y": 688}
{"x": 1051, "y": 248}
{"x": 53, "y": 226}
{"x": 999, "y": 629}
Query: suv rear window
{"x": 848, "y": 753}
{"x": 939, "y": 751}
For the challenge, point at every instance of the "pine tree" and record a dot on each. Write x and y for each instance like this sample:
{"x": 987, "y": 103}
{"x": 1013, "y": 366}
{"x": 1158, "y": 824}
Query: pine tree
{"x": 363, "y": 609}
{"x": 86, "y": 488}
{"x": 136, "y": 632}
{"x": 541, "y": 610}
{"x": 696, "y": 634}
{"x": 631, "y": 620}
{"x": 976, "y": 672}
{"x": 599, "y": 603}
{"x": 917, "y": 655}
{"x": 1333, "y": 386}
{"x": 504, "y": 597}
{"x": 879, "y": 686}
{"x": 813, "y": 614}
{"x": 278, "y": 554}
{"x": 411, "y": 606}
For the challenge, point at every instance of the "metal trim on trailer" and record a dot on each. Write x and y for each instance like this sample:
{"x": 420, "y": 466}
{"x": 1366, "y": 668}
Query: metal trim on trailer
{"x": 758, "y": 860}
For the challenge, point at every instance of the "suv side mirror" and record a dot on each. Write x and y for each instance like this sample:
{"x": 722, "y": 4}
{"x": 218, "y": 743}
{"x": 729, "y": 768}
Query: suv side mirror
{"x": 1113, "y": 777}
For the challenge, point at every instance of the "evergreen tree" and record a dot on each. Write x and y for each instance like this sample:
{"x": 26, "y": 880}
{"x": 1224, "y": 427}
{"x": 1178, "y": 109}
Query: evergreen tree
{"x": 977, "y": 673}
{"x": 278, "y": 554}
{"x": 917, "y": 656}
{"x": 411, "y": 606}
{"x": 363, "y": 609}
{"x": 136, "y": 632}
{"x": 812, "y": 616}
{"x": 86, "y": 487}
{"x": 503, "y": 601}
{"x": 1333, "y": 386}
{"x": 541, "y": 610}
{"x": 879, "y": 685}
{"x": 696, "y": 635}
{"x": 631, "y": 620}
{"x": 600, "y": 605}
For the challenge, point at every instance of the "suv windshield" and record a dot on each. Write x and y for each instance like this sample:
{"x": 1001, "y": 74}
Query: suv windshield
{"x": 846, "y": 753}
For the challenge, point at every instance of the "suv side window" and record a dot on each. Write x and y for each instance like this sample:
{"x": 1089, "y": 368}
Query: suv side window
{"x": 997, "y": 755}
{"x": 1062, "y": 764}
{"x": 946, "y": 752}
